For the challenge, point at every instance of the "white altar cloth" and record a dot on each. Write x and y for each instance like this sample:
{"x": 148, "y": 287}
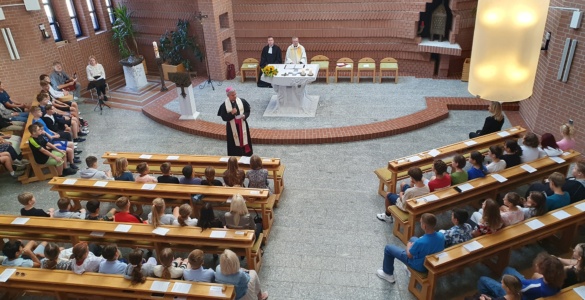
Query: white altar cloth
{"x": 292, "y": 99}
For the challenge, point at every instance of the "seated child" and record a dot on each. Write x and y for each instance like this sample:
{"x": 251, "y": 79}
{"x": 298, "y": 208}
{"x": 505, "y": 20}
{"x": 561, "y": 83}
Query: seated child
{"x": 197, "y": 272}
{"x": 559, "y": 199}
{"x": 418, "y": 189}
{"x": 137, "y": 271}
{"x": 512, "y": 153}
{"x": 188, "y": 177}
{"x": 28, "y": 201}
{"x": 534, "y": 205}
{"x": 170, "y": 268}
{"x": 549, "y": 145}
{"x": 83, "y": 260}
{"x": 112, "y": 265}
{"x": 511, "y": 211}
{"x": 488, "y": 222}
{"x": 477, "y": 169}
{"x": 142, "y": 169}
{"x": 166, "y": 176}
{"x": 441, "y": 179}
{"x": 184, "y": 218}
{"x": 122, "y": 172}
{"x": 93, "y": 211}
{"x": 46, "y": 153}
{"x": 92, "y": 172}
{"x": 257, "y": 176}
{"x": 458, "y": 175}
{"x": 52, "y": 261}
{"x": 210, "y": 178}
{"x": 123, "y": 214}
{"x": 568, "y": 141}
{"x": 459, "y": 233}
{"x": 66, "y": 212}
{"x": 14, "y": 249}
{"x": 158, "y": 217}
{"x": 497, "y": 164}
{"x": 530, "y": 150}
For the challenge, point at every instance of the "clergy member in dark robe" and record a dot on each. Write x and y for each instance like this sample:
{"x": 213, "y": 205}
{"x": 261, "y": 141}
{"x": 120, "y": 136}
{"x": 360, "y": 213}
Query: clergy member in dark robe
{"x": 235, "y": 112}
{"x": 271, "y": 54}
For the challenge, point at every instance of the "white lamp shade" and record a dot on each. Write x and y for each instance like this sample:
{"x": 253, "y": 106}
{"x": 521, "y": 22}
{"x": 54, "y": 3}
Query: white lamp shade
{"x": 506, "y": 47}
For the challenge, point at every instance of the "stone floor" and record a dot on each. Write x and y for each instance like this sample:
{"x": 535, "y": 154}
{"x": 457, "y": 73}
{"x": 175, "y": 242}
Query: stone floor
{"x": 326, "y": 242}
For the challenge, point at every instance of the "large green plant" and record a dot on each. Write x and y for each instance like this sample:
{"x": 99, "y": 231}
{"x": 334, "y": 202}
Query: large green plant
{"x": 175, "y": 45}
{"x": 124, "y": 31}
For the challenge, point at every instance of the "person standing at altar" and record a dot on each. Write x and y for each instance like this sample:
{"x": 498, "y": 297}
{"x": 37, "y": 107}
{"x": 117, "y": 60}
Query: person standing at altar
{"x": 295, "y": 54}
{"x": 236, "y": 111}
{"x": 271, "y": 54}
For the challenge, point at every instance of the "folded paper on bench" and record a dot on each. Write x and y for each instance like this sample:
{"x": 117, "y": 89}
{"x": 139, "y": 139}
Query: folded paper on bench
{"x": 180, "y": 287}
{"x": 215, "y": 290}
{"x": 414, "y": 158}
{"x": 224, "y": 159}
{"x": 160, "y": 286}
{"x": 534, "y": 224}
{"x": 20, "y": 221}
{"x": 503, "y": 133}
{"x": 70, "y": 181}
{"x": 470, "y": 143}
{"x": 6, "y": 274}
{"x": 528, "y": 168}
{"x": 148, "y": 186}
{"x": 217, "y": 234}
{"x": 173, "y": 157}
{"x": 145, "y": 156}
{"x": 160, "y": 231}
{"x": 580, "y": 291}
{"x": 434, "y": 152}
{"x": 580, "y": 206}
{"x": 499, "y": 177}
{"x": 557, "y": 159}
{"x": 244, "y": 160}
{"x": 100, "y": 183}
{"x": 473, "y": 246}
{"x": 123, "y": 228}
{"x": 561, "y": 214}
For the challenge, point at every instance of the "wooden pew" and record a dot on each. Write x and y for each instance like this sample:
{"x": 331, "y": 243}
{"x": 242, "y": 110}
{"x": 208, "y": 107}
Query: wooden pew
{"x": 567, "y": 293}
{"x": 498, "y": 245}
{"x": 199, "y": 163}
{"x": 184, "y": 239}
{"x": 174, "y": 194}
{"x": 397, "y": 168}
{"x": 405, "y": 222}
{"x": 61, "y": 284}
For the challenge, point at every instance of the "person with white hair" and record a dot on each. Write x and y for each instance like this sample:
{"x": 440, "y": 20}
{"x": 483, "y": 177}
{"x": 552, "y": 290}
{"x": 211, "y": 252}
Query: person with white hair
{"x": 295, "y": 53}
{"x": 236, "y": 111}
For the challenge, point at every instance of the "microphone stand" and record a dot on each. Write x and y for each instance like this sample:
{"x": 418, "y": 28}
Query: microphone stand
{"x": 200, "y": 17}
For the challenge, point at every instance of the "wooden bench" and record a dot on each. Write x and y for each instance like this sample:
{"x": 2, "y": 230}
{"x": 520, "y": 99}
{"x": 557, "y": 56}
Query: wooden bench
{"x": 178, "y": 238}
{"x": 397, "y": 169}
{"x": 567, "y": 293}
{"x": 174, "y": 194}
{"x": 62, "y": 284}
{"x": 198, "y": 162}
{"x": 499, "y": 246}
{"x": 488, "y": 186}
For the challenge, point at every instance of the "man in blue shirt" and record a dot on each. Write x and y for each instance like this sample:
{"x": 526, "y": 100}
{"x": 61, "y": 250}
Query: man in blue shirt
{"x": 416, "y": 249}
{"x": 18, "y": 107}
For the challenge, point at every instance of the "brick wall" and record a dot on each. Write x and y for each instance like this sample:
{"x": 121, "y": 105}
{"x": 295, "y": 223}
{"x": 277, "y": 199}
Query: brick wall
{"x": 553, "y": 102}
{"x": 21, "y": 77}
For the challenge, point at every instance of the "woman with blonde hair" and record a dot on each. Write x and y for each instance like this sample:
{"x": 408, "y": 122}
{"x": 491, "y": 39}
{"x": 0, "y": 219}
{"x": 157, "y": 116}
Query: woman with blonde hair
{"x": 246, "y": 282}
{"x": 233, "y": 176}
{"x": 239, "y": 218}
{"x": 96, "y": 77}
{"x": 158, "y": 217}
{"x": 122, "y": 173}
{"x": 492, "y": 123}
{"x": 568, "y": 132}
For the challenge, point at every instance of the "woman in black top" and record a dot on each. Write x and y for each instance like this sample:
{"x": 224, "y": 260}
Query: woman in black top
{"x": 207, "y": 218}
{"x": 575, "y": 267}
{"x": 512, "y": 153}
{"x": 492, "y": 123}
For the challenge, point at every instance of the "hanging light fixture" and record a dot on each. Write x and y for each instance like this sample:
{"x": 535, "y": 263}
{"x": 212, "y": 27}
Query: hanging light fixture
{"x": 506, "y": 47}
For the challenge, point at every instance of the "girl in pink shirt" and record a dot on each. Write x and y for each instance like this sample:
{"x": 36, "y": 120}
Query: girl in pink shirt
{"x": 142, "y": 169}
{"x": 568, "y": 141}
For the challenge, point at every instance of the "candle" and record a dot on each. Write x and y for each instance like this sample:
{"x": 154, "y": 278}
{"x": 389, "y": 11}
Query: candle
{"x": 155, "y": 46}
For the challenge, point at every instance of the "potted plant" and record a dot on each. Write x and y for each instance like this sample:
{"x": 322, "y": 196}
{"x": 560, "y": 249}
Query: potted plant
{"x": 123, "y": 32}
{"x": 174, "y": 46}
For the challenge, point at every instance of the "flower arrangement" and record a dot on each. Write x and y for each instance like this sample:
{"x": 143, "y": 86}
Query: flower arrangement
{"x": 269, "y": 71}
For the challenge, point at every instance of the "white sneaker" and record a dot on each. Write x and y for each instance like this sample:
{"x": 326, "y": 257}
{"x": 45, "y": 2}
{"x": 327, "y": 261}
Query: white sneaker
{"x": 408, "y": 272}
{"x": 75, "y": 98}
{"x": 387, "y": 277}
{"x": 75, "y": 144}
{"x": 385, "y": 218}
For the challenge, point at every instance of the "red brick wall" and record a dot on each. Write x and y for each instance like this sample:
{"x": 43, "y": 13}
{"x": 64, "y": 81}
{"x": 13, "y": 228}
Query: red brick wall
{"x": 553, "y": 102}
{"x": 21, "y": 77}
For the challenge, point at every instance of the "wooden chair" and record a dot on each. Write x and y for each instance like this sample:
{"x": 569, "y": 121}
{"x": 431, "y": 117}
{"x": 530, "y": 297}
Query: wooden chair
{"x": 389, "y": 64}
{"x": 367, "y": 64}
{"x": 323, "y": 62}
{"x": 344, "y": 64}
{"x": 250, "y": 65}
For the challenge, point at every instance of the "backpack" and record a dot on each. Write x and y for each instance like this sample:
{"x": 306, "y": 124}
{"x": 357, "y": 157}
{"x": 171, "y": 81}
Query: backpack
{"x": 231, "y": 71}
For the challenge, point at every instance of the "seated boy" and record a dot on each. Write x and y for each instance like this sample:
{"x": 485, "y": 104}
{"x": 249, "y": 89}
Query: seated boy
{"x": 416, "y": 249}
{"x": 13, "y": 250}
{"x": 93, "y": 211}
{"x": 459, "y": 233}
{"x": 441, "y": 179}
{"x": 112, "y": 265}
{"x": 28, "y": 201}
{"x": 92, "y": 172}
{"x": 418, "y": 189}
{"x": 66, "y": 212}
{"x": 46, "y": 153}
{"x": 559, "y": 199}
{"x": 188, "y": 176}
{"x": 166, "y": 176}
{"x": 55, "y": 138}
{"x": 123, "y": 214}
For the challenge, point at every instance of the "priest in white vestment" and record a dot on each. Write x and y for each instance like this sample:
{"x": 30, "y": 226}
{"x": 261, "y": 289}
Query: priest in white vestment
{"x": 295, "y": 54}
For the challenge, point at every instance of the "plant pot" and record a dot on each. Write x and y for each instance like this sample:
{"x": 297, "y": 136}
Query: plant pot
{"x": 172, "y": 69}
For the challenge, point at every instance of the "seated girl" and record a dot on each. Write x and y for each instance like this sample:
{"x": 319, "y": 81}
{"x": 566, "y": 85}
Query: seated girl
{"x": 497, "y": 164}
{"x": 257, "y": 176}
{"x": 534, "y": 205}
{"x": 575, "y": 266}
{"x": 239, "y": 218}
{"x": 233, "y": 176}
{"x": 210, "y": 178}
{"x": 511, "y": 286}
{"x": 122, "y": 172}
{"x": 511, "y": 211}
{"x": 158, "y": 217}
{"x": 137, "y": 271}
{"x": 143, "y": 170}
{"x": 197, "y": 272}
{"x": 512, "y": 153}
{"x": 488, "y": 222}
{"x": 568, "y": 141}
{"x": 530, "y": 150}
{"x": 549, "y": 145}
{"x": 477, "y": 170}
{"x": 184, "y": 217}
{"x": 169, "y": 268}
{"x": 84, "y": 260}
{"x": 458, "y": 175}
{"x": 207, "y": 218}
{"x": 52, "y": 261}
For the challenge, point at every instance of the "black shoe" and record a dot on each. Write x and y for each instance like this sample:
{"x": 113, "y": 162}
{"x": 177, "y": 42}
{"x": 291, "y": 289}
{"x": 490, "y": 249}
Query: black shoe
{"x": 76, "y": 157}
{"x": 73, "y": 166}
{"x": 69, "y": 171}
{"x": 81, "y": 134}
{"x": 79, "y": 140}
{"x": 77, "y": 161}
{"x": 105, "y": 98}
{"x": 78, "y": 151}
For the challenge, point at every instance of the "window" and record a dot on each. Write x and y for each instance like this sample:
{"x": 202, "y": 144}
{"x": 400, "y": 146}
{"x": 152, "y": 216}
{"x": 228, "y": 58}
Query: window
{"x": 110, "y": 11}
{"x": 93, "y": 15}
{"x": 52, "y": 22}
{"x": 73, "y": 16}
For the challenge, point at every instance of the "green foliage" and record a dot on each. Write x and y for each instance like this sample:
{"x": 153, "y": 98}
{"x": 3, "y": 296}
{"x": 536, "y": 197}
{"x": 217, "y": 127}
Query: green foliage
{"x": 174, "y": 45}
{"x": 124, "y": 31}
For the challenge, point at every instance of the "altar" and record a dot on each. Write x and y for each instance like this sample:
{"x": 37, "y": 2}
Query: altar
{"x": 290, "y": 85}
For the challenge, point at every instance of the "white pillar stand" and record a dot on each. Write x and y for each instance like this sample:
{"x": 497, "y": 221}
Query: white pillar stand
{"x": 187, "y": 104}
{"x": 135, "y": 77}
